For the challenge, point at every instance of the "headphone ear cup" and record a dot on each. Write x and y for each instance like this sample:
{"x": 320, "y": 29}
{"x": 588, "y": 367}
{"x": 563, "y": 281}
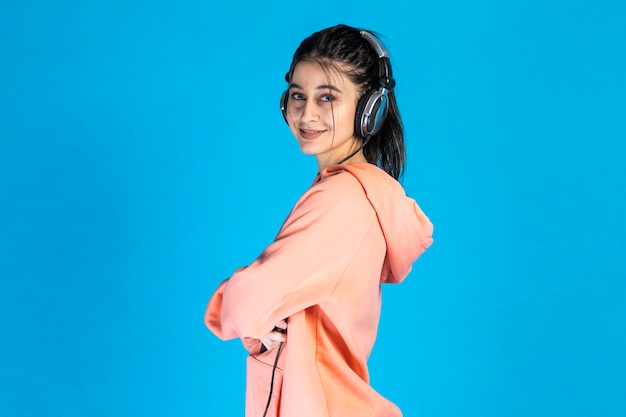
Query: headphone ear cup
{"x": 371, "y": 112}
{"x": 283, "y": 104}
{"x": 360, "y": 119}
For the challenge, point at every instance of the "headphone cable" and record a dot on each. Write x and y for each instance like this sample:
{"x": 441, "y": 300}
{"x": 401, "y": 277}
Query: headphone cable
{"x": 269, "y": 397}
{"x": 355, "y": 152}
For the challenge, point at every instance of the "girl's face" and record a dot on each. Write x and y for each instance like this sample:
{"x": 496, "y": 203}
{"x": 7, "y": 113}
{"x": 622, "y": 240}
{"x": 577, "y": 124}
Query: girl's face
{"x": 320, "y": 112}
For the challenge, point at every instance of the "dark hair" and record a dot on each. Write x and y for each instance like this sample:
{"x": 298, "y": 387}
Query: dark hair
{"x": 343, "y": 48}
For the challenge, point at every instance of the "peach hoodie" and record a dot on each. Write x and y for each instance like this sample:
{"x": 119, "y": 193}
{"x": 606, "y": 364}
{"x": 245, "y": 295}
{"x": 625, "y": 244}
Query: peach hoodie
{"x": 354, "y": 229}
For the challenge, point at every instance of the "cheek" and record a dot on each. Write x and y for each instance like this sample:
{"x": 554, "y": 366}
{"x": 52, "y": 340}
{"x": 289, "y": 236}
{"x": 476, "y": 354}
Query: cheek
{"x": 291, "y": 120}
{"x": 345, "y": 119}
{"x": 295, "y": 132}
{"x": 339, "y": 117}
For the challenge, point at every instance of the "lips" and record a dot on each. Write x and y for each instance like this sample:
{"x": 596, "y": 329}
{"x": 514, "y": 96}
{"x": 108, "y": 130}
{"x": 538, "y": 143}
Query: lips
{"x": 310, "y": 134}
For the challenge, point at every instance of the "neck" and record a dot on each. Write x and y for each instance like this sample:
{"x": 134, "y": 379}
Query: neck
{"x": 350, "y": 159}
{"x": 354, "y": 157}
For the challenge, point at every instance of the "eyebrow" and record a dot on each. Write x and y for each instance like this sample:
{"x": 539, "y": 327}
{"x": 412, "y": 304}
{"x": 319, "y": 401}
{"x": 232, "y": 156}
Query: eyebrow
{"x": 319, "y": 87}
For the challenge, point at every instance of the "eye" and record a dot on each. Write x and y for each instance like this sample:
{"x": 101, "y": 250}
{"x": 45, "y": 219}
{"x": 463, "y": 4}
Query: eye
{"x": 298, "y": 96}
{"x": 327, "y": 98}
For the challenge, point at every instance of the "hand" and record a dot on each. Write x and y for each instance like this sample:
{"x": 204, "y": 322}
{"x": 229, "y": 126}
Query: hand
{"x": 275, "y": 337}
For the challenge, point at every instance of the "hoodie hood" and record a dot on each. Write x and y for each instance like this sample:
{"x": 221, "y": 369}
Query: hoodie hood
{"x": 407, "y": 230}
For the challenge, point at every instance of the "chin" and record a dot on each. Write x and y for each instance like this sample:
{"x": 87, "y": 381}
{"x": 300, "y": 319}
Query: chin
{"x": 310, "y": 148}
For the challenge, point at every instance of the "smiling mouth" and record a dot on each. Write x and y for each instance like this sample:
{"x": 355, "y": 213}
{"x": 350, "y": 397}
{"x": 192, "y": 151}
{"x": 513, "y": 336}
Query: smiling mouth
{"x": 308, "y": 134}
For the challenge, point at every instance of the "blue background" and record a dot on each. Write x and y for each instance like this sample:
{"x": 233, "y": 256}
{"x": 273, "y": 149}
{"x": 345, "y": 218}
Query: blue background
{"x": 143, "y": 158}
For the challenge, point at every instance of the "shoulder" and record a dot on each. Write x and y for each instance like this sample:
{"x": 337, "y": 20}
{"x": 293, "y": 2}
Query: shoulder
{"x": 336, "y": 180}
{"x": 336, "y": 190}
{"x": 370, "y": 178}
{"x": 365, "y": 172}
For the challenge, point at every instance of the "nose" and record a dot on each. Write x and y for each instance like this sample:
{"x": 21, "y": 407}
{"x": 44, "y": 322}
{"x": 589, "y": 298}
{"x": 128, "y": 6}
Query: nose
{"x": 310, "y": 111}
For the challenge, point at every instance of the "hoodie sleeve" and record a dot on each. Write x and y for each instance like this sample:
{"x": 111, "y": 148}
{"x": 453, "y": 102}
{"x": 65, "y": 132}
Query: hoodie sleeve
{"x": 301, "y": 267}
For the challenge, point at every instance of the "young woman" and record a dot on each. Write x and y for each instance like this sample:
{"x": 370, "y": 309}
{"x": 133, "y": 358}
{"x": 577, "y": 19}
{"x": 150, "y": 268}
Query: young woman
{"x": 308, "y": 308}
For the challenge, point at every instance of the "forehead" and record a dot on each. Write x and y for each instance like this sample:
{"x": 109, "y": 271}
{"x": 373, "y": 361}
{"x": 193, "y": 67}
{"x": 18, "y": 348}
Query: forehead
{"x": 313, "y": 73}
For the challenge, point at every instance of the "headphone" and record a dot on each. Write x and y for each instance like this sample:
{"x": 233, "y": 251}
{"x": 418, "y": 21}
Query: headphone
{"x": 373, "y": 106}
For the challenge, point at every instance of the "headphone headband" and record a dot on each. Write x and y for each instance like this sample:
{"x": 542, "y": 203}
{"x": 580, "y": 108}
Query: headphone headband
{"x": 380, "y": 49}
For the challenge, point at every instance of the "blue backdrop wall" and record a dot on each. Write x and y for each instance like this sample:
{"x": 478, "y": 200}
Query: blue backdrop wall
{"x": 143, "y": 158}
